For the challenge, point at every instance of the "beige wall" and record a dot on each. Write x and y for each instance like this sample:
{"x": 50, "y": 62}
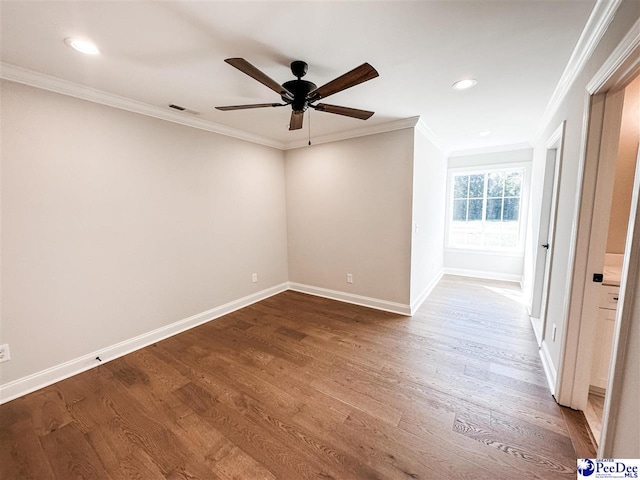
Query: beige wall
{"x": 349, "y": 211}
{"x": 625, "y": 169}
{"x": 115, "y": 224}
{"x": 572, "y": 109}
{"x": 429, "y": 189}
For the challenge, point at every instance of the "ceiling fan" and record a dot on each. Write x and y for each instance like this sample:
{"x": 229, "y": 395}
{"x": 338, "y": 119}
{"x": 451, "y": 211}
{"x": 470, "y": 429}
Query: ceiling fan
{"x": 302, "y": 94}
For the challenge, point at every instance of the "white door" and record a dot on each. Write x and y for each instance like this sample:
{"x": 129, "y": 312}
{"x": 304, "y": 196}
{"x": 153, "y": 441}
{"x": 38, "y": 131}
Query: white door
{"x": 546, "y": 237}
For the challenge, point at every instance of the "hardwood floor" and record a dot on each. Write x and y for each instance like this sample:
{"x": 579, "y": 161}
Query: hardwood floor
{"x": 593, "y": 414}
{"x": 299, "y": 387}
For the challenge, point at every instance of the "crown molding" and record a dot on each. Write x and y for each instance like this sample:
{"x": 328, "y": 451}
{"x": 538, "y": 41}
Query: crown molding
{"x": 359, "y": 132}
{"x": 425, "y": 130}
{"x": 492, "y": 149}
{"x": 64, "y": 87}
{"x": 624, "y": 62}
{"x": 597, "y": 24}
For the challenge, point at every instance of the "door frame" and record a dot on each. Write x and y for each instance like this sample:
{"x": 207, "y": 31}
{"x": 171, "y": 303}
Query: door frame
{"x": 622, "y": 66}
{"x": 624, "y": 317}
{"x": 551, "y": 190}
{"x": 596, "y": 229}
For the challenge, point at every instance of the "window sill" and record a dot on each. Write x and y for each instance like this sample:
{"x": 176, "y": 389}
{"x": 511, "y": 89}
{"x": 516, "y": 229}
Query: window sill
{"x": 483, "y": 251}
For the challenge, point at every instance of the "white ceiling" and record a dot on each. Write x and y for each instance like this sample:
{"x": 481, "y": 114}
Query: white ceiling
{"x": 172, "y": 52}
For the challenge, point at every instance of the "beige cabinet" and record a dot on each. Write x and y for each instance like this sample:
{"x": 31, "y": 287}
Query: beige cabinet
{"x": 604, "y": 336}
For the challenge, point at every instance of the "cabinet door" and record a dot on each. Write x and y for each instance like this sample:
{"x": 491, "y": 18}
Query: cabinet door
{"x": 602, "y": 347}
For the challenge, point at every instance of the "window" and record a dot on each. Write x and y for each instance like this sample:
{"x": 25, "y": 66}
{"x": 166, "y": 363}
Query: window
{"x": 485, "y": 209}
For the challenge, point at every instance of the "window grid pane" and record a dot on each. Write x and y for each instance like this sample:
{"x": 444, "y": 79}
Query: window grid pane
{"x": 461, "y": 186}
{"x": 486, "y": 210}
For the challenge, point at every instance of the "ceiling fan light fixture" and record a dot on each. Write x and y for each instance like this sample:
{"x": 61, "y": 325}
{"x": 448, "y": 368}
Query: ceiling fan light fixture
{"x": 464, "y": 84}
{"x": 82, "y": 46}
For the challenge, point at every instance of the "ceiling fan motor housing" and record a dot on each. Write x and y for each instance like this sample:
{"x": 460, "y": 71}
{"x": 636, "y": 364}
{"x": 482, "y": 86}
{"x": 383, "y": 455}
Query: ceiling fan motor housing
{"x": 300, "y": 89}
{"x": 299, "y": 68}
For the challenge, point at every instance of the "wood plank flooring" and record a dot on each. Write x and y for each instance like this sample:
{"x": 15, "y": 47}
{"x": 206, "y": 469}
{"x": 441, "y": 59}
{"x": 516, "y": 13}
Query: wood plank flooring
{"x": 300, "y": 387}
{"x": 593, "y": 414}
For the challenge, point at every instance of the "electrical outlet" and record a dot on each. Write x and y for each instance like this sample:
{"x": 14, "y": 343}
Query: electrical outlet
{"x": 5, "y": 356}
{"x": 349, "y": 278}
{"x": 553, "y": 333}
{"x": 254, "y": 278}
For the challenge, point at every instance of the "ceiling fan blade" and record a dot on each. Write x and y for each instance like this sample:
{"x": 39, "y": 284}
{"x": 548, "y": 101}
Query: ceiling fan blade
{"x": 346, "y": 111}
{"x": 358, "y": 75}
{"x": 245, "y": 67}
{"x": 255, "y": 105}
{"x": 296, "y": 120}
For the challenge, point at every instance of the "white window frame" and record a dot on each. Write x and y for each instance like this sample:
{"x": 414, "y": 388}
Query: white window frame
{"x": 524, "y": 207}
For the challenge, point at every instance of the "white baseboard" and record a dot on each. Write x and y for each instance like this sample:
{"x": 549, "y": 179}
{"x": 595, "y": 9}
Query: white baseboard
{"x": 549, "y": 369}
{"x": 537, "y": 332}
{"x": 399, "y": 308}
{"x": 36, "y": 381}
{"x": 415, "y": 305}
{"x": 462, "y": 272}
{"x": 49, "y": 376}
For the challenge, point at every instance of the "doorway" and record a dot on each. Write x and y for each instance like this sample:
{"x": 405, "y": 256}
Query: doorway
{"x": 546, "y": 238}
{"x": 605, "y": 99}
{"x": 608, "y": 244}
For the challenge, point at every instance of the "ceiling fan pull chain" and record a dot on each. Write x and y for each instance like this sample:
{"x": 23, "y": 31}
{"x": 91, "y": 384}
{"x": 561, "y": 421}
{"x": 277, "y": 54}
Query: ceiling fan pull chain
{"x": 309, "y": 121}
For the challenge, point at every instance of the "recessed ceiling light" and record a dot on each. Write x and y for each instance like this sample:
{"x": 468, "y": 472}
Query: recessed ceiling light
{"x": 484, "y": 133}
{"x": 464, "y": 84}
{"x": 83, "y": 46}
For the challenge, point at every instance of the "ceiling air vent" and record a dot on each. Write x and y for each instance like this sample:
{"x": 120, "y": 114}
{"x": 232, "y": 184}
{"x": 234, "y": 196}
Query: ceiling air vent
{"x": 183, "y": 109}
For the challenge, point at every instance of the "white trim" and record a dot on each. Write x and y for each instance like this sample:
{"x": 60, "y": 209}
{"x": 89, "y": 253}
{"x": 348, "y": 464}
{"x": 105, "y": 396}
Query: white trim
{"x": 536, "y": 332}
{"x": 488, "y": 167}
{"x": 38, "y": 380}
{"x": 571, "y": 261}
{"x": 463, "y": 272}
{"x": 555, "y": 144}
{"x": 597, "y": 24}
{"x": 359, "y": 132}
{"x": 492, "y": 149}
{"x": 424, "y": 129}
{"x": 64, "y": 87}
{"x": 555, "y": 141}
{"x": 482, "y": 251}
{"x": 393, "y": 307}
{"x": 547, "y": 365}
{"x": 524, "y": 205}
{"x": 415, "y": 305}
{"x": 618, "y": 57}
